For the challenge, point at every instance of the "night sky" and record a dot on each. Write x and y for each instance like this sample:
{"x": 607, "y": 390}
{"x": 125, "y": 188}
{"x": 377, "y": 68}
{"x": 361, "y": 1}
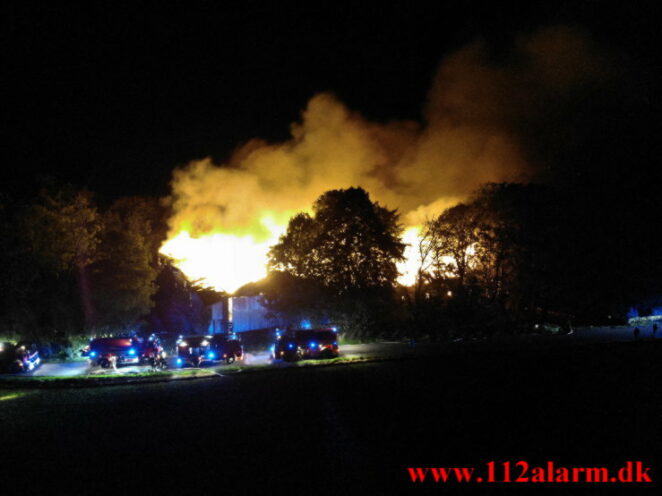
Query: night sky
{"x": 113, "y": 98}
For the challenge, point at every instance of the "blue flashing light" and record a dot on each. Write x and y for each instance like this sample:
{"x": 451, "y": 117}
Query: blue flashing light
{"x": 334, "y": 329}
{"x": 272, "y": 348}
{"x": 335, "y": 343}
{"x": 305, "y": 324}
{"x": 93, "y": 354}
{"x": 290, "y": 346}
{"x": 180, "y": 361}
{"x": 211, "y": 355}
{"x": 313, "y": 344}
{"x": 132, "y": 351}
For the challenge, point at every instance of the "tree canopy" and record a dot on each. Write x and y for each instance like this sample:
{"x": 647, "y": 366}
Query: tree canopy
{"x": 348, "y": 243}
{"x": 340, "y": 261}
{"x": 71, "y": 267}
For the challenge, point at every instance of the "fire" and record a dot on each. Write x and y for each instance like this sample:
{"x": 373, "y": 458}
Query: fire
{"x": 409, "y": 267}
{"x": 227, "y": 261}
{"x": 223, "y": 260}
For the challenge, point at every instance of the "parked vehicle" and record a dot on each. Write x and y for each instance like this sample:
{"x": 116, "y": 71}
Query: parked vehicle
{"x": 196, "y": 350}
{"x": 299, "y": 344}
{"x": 122, "y": 351}
{"x": 21, "y": 357}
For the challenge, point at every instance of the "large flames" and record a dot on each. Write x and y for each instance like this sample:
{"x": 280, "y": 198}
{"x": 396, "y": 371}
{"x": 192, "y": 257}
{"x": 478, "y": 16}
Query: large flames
{"x": 222, "y": 260}
{"x": 226, "y": 261}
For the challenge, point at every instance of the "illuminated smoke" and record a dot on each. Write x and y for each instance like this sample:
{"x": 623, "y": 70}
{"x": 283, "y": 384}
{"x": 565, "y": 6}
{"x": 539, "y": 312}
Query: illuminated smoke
{"x": 476, "y": 118}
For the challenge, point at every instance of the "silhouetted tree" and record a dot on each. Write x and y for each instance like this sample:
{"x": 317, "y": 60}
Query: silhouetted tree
{"x": 499, "y": 254}
{"x": 62, "y": 228}
{"x": 348, "y": 249}
{"x": 20, "y": 273}
{"x": 296, "y": 252}
{"x": 453, "y": 239}
{"x": 177, "y": 305}
{"x": 124, "y": 274}
{"x": 349, "y": 243}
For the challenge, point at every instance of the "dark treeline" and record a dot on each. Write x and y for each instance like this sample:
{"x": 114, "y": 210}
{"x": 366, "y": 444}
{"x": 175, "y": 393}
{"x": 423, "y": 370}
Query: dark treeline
{"x": 511, "y": 257}
{"x": 578, "y": 245}
{"x": 72, "y": 268}
{"x": 575, "y": 250}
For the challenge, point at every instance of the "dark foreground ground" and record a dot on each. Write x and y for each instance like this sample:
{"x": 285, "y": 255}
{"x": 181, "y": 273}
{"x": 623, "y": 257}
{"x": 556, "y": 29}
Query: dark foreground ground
{"x": 345, "y": 429}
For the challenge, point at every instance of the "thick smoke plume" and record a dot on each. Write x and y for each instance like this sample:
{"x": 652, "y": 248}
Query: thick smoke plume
{"x": 479, "y": 116}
